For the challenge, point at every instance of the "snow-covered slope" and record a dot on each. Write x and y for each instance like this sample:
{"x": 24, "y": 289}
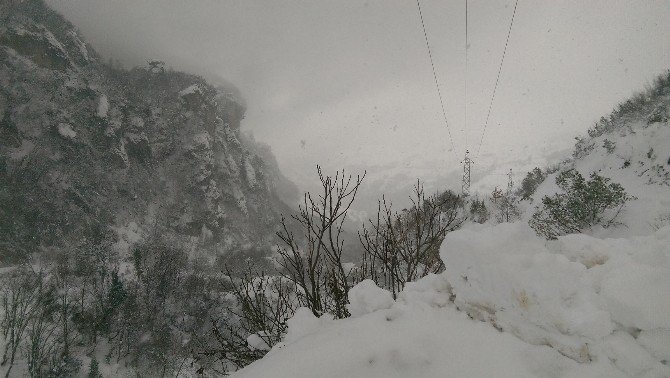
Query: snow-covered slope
{"x": 507, "y": 306}
{"x": 513, "y": 304}
{"x": 422, "y": 334}
{"x": 638, "y": 159}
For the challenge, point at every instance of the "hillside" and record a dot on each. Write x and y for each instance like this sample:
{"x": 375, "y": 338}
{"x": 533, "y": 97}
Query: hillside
{"x": 91, "y": 153}
{"x": 123, "y": 195}
{"x": 511, "y": 303}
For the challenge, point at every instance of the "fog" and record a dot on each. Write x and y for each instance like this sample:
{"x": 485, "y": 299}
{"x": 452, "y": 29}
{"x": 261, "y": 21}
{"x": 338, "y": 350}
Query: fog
{"x": 349, "y": 83}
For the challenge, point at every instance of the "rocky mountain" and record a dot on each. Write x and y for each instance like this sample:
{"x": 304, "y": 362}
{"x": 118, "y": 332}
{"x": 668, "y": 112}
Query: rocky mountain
{"x": 91, "y": 153}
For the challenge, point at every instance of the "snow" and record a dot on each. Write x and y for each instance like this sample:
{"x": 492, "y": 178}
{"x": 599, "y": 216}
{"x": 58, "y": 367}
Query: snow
{"x": 411, "y": 341}
{"x": 127, "y": 236}
{"x": 103, "y": 107}
{"x": 82, "y": 46}
{"x": 250, "y": 173}
{"x": 66, "y": 131}
{"x": 647, "y": 177}
{"x": 577, "y": 294}
{"x": 512, "y": 304}
{"x": 232, "y": 165}
{"x": 54, "y": 42}
{"x": 630, "y": 296}
{"x": 304, "y": 323}
{"x": 521, "y": 307}
{"x": 657, "y": 342}
{"x": 202, "y": 141}
{"x": 505, "y": 274}
{"x": 192, "y": 89}
{"x": 256, "y": 342}
{"x": 367, "y": 297}
{"x": 240, "y": 199}
{"x": 629, "y": 356}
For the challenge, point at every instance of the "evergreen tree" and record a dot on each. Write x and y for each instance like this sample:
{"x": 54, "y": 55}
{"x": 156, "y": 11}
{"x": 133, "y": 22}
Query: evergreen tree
{"x": 530, "y": 183}
{"x": 478, "y": 211}
{"x": 94, "y": 369}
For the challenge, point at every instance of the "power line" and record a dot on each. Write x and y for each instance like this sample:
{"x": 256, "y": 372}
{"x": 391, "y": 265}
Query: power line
{"x": 465, "y": 94}
{"x": 437, "y": 85}
{"x": 495, "y": 87}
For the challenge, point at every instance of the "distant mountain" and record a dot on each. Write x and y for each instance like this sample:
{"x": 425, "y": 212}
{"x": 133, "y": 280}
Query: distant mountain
{"x": 90, "y": 152}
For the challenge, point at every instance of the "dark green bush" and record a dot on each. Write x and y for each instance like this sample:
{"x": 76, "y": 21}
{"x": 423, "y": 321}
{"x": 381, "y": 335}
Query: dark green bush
{"x": 530, "y": 183}
{"x": 583, "y": 205}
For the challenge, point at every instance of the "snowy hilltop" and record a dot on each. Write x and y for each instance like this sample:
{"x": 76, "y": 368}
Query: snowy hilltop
{"x": 587, "y": 296}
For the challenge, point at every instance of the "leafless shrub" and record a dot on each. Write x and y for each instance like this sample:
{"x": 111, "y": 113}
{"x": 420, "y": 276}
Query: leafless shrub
{"x": 263, "y": 305}
{"x": 402, "y": 247}
{"x": 313, "y": 261}
{"x": 29, "y": 323}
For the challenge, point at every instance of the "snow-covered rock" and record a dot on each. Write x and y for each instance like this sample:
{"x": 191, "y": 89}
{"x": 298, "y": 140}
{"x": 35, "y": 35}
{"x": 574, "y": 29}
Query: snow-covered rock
{"x": 66, "y": 131}
{"x": 82, "y": 45}
{"x": 191, "y": 90}
{"x": 367, "y": 297}
{"x": 250, "y": 173}
{"x": 103, "y": 107}
{"x": 142, "y": 143}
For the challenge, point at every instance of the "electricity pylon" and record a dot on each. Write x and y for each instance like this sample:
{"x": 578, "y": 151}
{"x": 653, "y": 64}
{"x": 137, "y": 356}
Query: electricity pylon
{"x": 466, "y": 174}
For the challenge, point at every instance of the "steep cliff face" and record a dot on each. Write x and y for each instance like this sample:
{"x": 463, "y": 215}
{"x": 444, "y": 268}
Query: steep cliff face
{"x": 90, "y": 153}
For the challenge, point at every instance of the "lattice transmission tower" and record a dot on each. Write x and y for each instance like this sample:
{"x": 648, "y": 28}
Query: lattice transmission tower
{"x": 467, "y": 162}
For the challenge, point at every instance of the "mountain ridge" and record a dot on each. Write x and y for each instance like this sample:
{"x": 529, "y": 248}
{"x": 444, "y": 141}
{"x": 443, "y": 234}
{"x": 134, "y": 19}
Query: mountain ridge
{"x": 85, "y": 145}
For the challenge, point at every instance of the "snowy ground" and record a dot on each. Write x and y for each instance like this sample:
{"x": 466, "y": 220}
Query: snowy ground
{"x": 599, "y": 310}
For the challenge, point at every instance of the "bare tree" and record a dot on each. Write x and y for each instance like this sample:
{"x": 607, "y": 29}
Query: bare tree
{"x": 18, "y": 304}
{"x": 41, "y": 346}
{"x": 263, "y": 305}
{"x": 400, "y": 247}
{"x": 27, "y": 318}
{"x": 314, "y": 262}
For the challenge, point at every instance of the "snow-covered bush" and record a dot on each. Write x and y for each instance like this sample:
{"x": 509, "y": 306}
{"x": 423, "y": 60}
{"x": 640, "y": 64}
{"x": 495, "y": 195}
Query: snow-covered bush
{"x": 609, "y": 146}
{"x": 583, "y": 147}
{"x": 478, "y": 211}
{"x": 263, "y": 306}
{"x": 582, "y": 205}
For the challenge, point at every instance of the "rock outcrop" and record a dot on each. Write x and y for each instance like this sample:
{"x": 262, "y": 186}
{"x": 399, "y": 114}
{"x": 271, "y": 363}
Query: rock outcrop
{"x": 89, "y": 151}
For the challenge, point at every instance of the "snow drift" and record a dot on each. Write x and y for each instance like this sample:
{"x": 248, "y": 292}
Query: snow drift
{"x": 588, "y": 298}
{"x": 577, "y": 306}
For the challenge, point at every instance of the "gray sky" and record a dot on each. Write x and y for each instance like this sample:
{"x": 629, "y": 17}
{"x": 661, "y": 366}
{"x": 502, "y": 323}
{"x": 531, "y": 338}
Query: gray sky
{"x": 352, "y": 78}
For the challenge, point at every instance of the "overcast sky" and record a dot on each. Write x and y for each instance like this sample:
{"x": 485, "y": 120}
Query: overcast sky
{"x": 349, "y": 83}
